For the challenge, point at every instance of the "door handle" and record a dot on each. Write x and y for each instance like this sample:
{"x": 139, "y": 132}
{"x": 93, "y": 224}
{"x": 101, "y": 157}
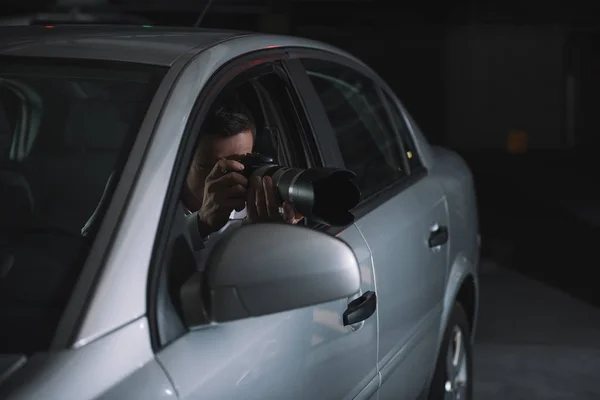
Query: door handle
{"x": 438, "y": 237}
{"x": 360, "y": 309}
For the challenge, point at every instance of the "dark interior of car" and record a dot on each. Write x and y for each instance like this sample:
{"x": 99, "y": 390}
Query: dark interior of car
{"x": 60, "y": 142}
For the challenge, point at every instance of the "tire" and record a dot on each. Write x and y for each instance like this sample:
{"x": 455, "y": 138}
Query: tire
{"x": 456, "y": 382}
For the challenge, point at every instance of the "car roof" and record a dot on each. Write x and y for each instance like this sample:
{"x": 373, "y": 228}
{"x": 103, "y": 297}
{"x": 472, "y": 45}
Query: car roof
{"x": 139, "y": 44}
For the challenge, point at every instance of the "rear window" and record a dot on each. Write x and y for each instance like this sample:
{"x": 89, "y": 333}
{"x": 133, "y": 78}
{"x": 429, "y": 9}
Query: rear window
{"x": 65, "y": 132}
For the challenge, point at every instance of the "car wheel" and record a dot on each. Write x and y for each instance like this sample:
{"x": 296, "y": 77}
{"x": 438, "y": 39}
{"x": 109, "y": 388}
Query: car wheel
{"x": 453, "y": 375}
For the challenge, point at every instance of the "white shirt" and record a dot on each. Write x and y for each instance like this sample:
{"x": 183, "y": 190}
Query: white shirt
{"x": 203, "y": 246}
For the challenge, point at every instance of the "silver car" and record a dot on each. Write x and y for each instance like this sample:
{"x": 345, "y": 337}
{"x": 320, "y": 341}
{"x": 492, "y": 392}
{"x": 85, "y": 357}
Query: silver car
{"x": 99, "y": 292}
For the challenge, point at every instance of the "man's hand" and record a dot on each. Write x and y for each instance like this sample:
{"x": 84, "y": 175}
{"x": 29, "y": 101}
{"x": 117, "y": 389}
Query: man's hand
{"x": 224, "y": 191}
{"x": 262, "y": 205}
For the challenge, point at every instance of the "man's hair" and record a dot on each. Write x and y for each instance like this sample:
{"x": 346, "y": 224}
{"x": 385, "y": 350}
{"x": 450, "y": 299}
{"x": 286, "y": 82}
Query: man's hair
{"x": 228, "y": 120}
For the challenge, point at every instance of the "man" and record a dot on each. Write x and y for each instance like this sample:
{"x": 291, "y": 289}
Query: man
{"x": 217, "y": 196}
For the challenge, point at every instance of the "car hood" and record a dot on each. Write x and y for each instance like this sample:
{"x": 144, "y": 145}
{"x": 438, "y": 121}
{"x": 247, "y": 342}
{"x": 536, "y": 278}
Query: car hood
{"x": 9, "y": 363}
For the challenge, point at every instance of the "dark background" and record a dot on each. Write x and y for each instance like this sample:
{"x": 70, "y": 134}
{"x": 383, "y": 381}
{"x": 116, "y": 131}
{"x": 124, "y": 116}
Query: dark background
{"x": 469, "y": 73}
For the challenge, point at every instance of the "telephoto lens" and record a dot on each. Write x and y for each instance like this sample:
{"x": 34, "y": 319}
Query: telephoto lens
{"x": 324, "y": 195}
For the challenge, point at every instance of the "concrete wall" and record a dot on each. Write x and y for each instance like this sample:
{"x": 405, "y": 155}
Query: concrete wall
{"x": 499, "y": 78}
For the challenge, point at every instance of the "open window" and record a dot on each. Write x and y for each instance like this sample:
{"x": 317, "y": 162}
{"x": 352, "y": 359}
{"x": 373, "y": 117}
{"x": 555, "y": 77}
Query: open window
{"x": 267, "y": 93}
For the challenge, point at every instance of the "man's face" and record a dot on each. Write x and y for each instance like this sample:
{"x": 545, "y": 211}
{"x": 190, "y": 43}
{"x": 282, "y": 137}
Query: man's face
{"x": 213, "y": 148}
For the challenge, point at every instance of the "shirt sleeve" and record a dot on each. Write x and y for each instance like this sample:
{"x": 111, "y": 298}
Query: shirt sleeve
{"x": 203, "y": 246}
{"x": 191, "y": 220}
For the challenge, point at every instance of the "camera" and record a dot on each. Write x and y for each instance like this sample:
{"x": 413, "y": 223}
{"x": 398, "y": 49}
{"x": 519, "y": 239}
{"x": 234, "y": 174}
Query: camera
{"x": 324, "y": 195}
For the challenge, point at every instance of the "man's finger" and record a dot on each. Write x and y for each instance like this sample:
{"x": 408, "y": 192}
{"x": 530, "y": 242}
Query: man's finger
{"x": 223, "y": 167}
{"x": 260, "y": 201}
{"x": 251, "y": 204}
{"x": 270, "y": 200}
{"x": 235, "y": 192}
{"x": 230, "y": 179}
{"x": 289, "y": 214}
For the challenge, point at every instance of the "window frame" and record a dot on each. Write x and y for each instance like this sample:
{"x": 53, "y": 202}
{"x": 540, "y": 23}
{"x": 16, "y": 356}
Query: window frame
{"x": 231, "y": 73}
{"x": 303, "y": 148}
{"x": 326, "y": 151}
{"x": 388, "y": 95}
{"x": 384, "y": 194}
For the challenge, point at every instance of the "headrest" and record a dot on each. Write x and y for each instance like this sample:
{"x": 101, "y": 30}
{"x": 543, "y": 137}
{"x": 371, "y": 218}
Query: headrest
{"x": 16, "y": 201}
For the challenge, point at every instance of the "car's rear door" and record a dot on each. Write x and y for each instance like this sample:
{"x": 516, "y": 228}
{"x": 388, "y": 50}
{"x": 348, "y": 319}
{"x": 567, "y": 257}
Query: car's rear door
{"x": 402, "y": 216}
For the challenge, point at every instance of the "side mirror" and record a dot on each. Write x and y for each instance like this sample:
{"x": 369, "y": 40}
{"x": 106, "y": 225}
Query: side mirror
{"x": 268, "y": 268}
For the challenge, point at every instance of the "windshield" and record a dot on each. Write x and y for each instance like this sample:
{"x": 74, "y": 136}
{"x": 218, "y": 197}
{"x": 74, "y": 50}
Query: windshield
{"x": 65, "y": 133}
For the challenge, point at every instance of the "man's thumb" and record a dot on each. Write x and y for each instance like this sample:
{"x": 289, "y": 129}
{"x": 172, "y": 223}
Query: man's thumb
{"x": 288, "y": 212}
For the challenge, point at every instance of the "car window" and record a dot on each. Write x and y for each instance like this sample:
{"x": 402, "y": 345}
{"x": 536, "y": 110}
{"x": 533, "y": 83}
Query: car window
{"x": 358, "y": 116}
{"x": 280, "y": 129}
{"x": 64, "y": 130}
{"x": 408, "y": 141}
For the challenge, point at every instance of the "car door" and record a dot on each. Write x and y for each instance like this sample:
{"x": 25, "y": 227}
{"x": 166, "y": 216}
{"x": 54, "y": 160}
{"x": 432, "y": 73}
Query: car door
{"x": 300, "y": 354}
{"x": 402, "y": 216}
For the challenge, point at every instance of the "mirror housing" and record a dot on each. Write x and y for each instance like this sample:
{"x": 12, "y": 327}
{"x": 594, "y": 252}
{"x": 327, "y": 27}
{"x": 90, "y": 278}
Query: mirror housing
{"x": 268, "y": 268}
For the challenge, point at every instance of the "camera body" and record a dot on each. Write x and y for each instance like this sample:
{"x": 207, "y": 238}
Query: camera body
{"x": 254, "y": 161}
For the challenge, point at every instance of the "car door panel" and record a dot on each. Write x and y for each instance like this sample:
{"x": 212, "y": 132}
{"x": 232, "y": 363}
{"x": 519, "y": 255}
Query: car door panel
{"x": 346, "y": 353}
{"x": 300, "y": 354}
{"x": 401, "y": 209}
{"x": 405, "y": 374}
{"x": 410, "y": 283}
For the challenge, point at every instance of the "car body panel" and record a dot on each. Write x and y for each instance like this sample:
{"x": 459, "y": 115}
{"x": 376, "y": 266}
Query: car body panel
{"x": 455, "y": 180}
{"x": 464, "y": 248}
{"x": 410, "y": 280}
{"x": 107, "y": 368}
{"x": 156, "y": 46}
